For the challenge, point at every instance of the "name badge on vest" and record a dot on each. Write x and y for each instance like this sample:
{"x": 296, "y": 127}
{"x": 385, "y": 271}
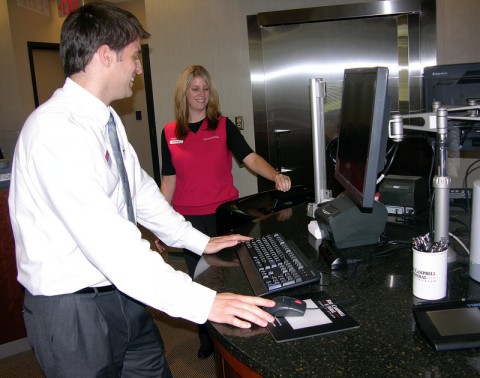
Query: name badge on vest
{"x": 176, "y": 141}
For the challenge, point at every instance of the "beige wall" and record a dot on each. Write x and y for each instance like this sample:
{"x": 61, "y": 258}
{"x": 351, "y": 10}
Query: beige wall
{"x": 11, "y": 115}
{"x": 209, "y": 32}
{"x": 27, "y": 25}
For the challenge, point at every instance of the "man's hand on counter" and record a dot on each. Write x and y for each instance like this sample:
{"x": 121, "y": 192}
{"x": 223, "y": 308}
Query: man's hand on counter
{"x": 240, "y": 311}
{"x": 218, "y": 243}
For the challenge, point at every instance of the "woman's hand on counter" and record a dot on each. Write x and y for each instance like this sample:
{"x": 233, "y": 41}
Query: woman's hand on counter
{"x": 240, "y": 310}
{"x": 282, "y": 183}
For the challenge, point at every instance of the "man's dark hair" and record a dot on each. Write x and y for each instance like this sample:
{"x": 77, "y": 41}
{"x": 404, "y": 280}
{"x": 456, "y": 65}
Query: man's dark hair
{"x": 94, "y": 25}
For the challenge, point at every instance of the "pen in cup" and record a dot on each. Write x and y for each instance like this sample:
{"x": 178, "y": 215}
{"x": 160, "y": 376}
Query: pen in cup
{"x": 424, "y": 244}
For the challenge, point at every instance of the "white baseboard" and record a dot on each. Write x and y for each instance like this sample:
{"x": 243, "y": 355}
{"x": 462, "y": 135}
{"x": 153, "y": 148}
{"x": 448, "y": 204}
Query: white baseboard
{"x": 14, "y": 347}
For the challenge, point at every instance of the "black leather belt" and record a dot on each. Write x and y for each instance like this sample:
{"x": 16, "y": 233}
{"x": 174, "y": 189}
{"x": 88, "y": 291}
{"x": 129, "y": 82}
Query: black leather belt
{"x": 95, "y": 290}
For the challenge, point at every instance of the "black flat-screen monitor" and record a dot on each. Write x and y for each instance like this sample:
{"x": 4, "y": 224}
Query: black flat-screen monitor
{"x": 363, "y": 133}
{"x": 354, "y": 218}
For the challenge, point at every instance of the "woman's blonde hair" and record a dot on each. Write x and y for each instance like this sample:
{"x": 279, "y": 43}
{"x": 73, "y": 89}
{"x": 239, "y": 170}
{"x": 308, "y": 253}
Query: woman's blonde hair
{"x": 181, "y": 106}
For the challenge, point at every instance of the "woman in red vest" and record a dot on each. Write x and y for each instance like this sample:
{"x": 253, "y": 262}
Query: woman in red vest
{"x": 197, "y": 153}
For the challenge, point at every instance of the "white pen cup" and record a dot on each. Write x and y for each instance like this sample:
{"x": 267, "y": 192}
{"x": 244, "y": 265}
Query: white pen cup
{"x": 430, "y": 274}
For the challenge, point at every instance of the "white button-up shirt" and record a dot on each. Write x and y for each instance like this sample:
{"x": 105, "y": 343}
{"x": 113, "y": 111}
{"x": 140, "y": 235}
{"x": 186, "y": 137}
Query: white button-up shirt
{"x": 69, "y": 215}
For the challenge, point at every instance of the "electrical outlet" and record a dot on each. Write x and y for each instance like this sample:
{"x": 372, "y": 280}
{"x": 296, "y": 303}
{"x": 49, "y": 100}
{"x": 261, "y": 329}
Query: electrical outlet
{"x": 239, "y": 122}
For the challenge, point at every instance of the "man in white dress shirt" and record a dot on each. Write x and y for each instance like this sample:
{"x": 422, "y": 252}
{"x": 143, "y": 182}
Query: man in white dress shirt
{"x": 86, "y": 271}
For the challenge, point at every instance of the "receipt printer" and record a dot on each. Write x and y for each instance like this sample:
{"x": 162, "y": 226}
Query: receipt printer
{"x": 404, "y": 194}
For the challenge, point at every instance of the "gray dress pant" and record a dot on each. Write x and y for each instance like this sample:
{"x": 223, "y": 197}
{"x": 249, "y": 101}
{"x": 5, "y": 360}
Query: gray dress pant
{"x": 94, "y": 335}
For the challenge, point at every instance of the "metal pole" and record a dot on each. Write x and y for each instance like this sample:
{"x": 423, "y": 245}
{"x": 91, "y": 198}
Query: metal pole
{"x": 317, "y": 94}
{"x": 441, "y": 182}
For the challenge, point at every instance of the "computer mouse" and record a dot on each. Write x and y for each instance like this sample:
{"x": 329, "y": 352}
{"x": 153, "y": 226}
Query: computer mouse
{"x": 286, "y": 306}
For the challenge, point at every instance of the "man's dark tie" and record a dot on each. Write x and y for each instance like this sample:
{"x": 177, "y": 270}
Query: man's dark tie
{"x": 117, "y": 154}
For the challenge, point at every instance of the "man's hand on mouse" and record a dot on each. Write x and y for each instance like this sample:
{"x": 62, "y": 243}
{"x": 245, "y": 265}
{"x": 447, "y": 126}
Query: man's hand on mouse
{"x": 240, "y": 310}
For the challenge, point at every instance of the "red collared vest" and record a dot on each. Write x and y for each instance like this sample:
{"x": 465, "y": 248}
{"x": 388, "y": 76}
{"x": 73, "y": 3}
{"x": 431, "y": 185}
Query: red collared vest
{"x": 203, "y": 166}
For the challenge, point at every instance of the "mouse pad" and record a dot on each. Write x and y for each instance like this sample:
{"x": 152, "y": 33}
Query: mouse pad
{"x": 322, "y": 316}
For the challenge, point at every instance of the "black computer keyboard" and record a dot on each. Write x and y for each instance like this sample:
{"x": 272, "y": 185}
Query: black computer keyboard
{"x": 272, "y": 264}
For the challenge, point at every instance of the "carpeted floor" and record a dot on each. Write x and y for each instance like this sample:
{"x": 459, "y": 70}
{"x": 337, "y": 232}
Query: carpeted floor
{"x": 181, "y": 346}
{"x": 181, "y": 341}
{"x": 180, "y": 338}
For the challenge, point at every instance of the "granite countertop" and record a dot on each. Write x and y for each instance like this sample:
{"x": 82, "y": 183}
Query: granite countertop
{"x": 377, "y": 294}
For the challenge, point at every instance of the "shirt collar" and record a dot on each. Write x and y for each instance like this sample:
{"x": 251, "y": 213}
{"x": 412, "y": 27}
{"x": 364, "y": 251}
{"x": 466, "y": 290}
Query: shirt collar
{"x": 88, "y": 103}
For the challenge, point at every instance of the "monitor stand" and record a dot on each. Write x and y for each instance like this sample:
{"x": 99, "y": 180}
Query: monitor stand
{"x": 346, "y": 225}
